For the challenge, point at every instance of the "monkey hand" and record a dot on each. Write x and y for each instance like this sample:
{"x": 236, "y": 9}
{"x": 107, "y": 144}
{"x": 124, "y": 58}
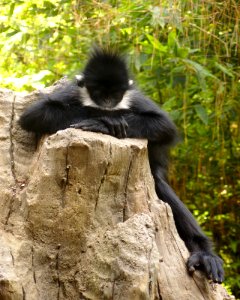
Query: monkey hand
{"x": 94, "y": 125}
{"x": 117, "y": 126}
{"x": 113, "y": 126}
{"x": 209, "y": 263}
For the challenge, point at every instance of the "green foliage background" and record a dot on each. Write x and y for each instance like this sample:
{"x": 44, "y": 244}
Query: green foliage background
{"x": 183, "y": 54}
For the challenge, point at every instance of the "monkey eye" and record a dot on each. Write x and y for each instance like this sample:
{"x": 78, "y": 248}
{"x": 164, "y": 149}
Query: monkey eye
{"x": 96, "y": 93}
{"x": 118, "y": 94}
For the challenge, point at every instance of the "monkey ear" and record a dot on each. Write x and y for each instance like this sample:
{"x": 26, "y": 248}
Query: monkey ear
{"x": 130, "y": 82}
{"x": 80, "y": 80}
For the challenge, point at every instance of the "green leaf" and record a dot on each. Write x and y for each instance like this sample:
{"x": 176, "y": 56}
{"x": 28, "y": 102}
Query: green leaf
{"x": 182, "y": 52}
{"x": 199, "y": 68}
{"x": 172, "y": 39}
{"x": 11, "y": 10}
{"x": 224, "y": 69}
{"x": 157, "y": 17}
{"x": 202, "y": 114}
{"x": 156, "y": 44}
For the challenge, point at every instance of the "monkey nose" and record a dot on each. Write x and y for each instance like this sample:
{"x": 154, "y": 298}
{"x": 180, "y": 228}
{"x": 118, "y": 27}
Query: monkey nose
{"x": 108, "y": 103}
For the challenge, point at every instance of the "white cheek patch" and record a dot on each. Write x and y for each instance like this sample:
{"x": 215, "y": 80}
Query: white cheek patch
{"x": 124, "y": 104}
{"x": 86, "y": 99}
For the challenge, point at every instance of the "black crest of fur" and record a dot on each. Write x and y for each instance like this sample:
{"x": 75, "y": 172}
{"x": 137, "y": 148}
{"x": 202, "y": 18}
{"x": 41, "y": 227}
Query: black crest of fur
{"x": 107, "y": 68}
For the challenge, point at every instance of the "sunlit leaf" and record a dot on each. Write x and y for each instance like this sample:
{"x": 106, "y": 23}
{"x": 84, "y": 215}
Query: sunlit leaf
{"x": 156, "y": 44}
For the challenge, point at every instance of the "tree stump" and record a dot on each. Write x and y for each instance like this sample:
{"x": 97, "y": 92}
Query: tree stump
{"x": 80, "y": 219}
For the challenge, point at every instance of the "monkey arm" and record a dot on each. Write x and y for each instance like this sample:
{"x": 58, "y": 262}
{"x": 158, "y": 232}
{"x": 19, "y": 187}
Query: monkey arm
{"x": 202, "y": 256}
{"x": 197, "y": 243}
{"x": 146, "y": 120}
{"x": 53, "y": 112}
{"x": 154, "y": 127}
{"x": 43, "y": 117}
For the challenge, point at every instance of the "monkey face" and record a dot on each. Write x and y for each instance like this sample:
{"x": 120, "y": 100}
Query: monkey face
{"x": 106, "y": 96}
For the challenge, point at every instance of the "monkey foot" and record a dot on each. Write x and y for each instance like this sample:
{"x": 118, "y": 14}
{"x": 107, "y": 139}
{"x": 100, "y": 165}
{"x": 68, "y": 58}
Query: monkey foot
{"x": 209, "y": 263}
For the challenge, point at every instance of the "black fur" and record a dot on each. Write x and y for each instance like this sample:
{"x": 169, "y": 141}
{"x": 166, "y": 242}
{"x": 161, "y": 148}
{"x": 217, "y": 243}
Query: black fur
{"x": 102, "y": 100}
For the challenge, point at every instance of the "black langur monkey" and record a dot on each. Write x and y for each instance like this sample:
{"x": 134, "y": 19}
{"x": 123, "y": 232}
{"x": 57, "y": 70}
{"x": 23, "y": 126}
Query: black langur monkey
{"x": 103, "y": 99}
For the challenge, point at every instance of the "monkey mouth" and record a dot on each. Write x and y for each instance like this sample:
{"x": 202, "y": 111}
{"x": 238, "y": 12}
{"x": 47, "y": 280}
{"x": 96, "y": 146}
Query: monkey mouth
{"x": 108, "y": 104}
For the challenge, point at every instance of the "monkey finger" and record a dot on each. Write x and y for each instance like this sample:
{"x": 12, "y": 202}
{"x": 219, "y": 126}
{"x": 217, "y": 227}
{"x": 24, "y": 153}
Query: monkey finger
{"x": 118, "y": 131}
{"x": 111, "y": 130}
{"x": 124, "y": 128}
{"x": 214, "y": 270}
{"x": 124, "y": 122}
{"x": 77, "y": 125}
{"x": 82, "y": 123}
{"x": 88, "y": 128}
{"x": 94, "y": 128}
{"x": 220, "y": 271}
{"x": 109, "y": 124}
{"x": 120, "y": 125}
{"x": 123, "y": 131}
{"x": 207, "y": 266}
{"x": 84, "y": 128}
{"x": 193, "y": 262}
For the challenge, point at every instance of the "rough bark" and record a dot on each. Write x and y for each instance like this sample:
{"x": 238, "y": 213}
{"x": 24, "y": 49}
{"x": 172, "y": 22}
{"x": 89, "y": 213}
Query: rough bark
{"x": 79, "y": 219}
